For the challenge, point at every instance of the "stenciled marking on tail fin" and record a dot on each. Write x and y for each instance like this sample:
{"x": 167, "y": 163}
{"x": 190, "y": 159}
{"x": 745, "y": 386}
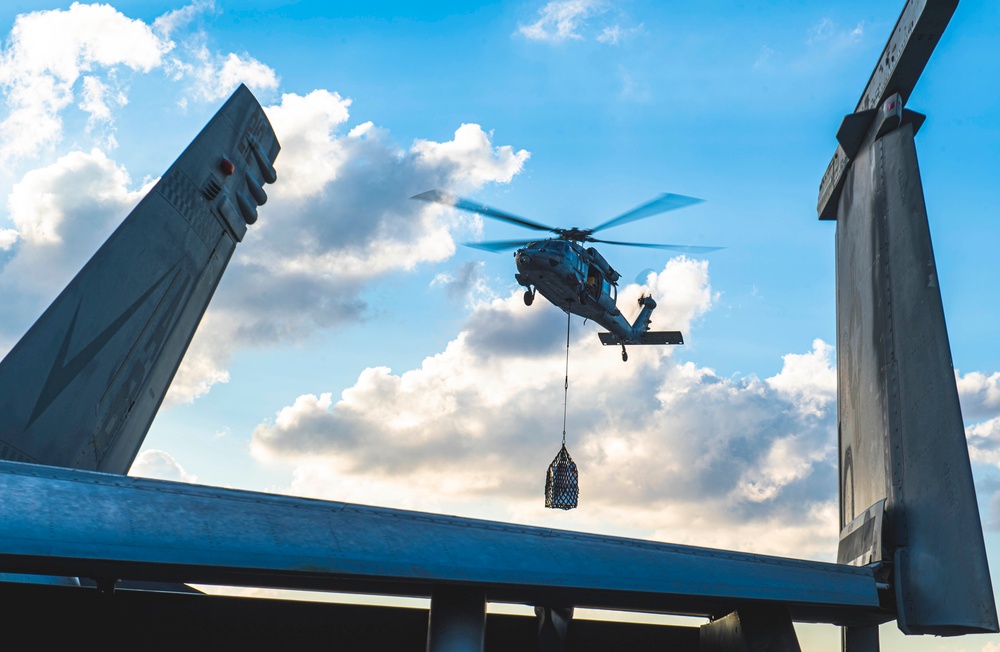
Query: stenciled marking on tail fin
{"x": 861, "y": 541}
{"x": 82, "y": 386}
{"x": 132, "y": 375}
{"x": 62, "y": 372}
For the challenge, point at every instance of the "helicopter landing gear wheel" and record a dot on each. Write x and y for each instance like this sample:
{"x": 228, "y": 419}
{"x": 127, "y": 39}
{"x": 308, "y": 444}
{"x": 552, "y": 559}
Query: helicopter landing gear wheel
{"x": 529, "y": 297}
{"x": 624, "y": 354}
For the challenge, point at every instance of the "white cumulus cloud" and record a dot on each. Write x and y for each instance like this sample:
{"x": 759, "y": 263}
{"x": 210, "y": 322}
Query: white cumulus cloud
{"x": 339, "y": 217}
{"x": 55, "y": 60}
{"x": 809, "y": 379}
{"x": 46, "y": 54}
{"x": 979, "y": 394}
{"x": 160, "y": 465}
{"x": 471, "y": 156}
{"x": 665, "y": 449}
{"x": 62, "y": 213}
{"x": 216, "y": 76}
{"x": 312, "y": 153}
{"x": 984, "y": 441}
{"x": 204, "y": 364}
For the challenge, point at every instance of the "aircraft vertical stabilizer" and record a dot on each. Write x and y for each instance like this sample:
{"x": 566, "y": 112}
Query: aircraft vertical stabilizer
{"x": 907, "y": 501}
{"x": 903, "y": 452}
{"x": 83, "y": 385}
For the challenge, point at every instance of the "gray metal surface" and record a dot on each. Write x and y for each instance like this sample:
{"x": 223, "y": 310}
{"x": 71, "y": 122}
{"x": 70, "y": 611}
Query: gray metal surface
{"x": 457, "y": 619}
{"x": 171, "y": 621}
{"x": 82, "y": 386}
{"x": 134, "y": 528}
{"x": 900, "y": 423}
{"x": 750, "y": 630}
{"x": 907, "y": 51}
{"x": 860, "y": 639}
{"x": 649, "y": 337}
{"x": 861, "y": 539}
{"x": 553, "y": 627}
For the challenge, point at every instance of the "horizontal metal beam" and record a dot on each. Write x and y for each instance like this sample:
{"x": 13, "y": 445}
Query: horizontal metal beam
{"x": 268, "y": 624}
{"x": 78, "y": 523}
{"x": 903, "y": 59}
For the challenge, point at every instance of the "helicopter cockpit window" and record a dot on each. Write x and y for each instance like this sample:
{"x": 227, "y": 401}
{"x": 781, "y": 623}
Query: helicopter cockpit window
{"x": 593, "y": 285}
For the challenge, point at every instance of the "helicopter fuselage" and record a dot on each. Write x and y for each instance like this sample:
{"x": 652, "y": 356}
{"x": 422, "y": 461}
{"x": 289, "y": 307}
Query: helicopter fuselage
{"x": 577, "y": 279}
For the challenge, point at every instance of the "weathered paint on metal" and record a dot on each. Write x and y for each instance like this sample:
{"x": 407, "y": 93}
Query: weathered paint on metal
{"x": 753, "y": 629}
{"x": 154, "y": 530}
{"x": 83, "y": 385}
{"x": 457, "y": 619}
{"x": 903, "y": 58}
{"x": 901, "y": 433}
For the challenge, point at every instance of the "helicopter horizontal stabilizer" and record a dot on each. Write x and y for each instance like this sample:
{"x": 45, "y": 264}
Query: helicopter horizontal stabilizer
{"x": 649, "y": 337}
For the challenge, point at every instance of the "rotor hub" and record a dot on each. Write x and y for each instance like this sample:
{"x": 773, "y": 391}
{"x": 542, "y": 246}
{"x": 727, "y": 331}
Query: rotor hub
{"x": 575, "y": 234}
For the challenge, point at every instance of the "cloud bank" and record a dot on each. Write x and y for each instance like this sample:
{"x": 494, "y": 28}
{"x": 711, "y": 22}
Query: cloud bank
{"x": 667, "y": 450}
{"x": 339, "y": 218}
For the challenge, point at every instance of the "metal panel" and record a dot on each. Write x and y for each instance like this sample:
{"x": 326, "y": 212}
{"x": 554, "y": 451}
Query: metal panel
{"x": 907, "y": 51}
{"x": 859, "y": 639}
{"x": 210, "y": 622}
{"x": 861, "y": 539}
{"x": 900, "y": 424}
{"x": 553, "y": 627}
{"x": 750, "y": 630}
{"x": 143, "y": 529}
{"x": 457, "y": 619}
{"x": 82, "y": 386}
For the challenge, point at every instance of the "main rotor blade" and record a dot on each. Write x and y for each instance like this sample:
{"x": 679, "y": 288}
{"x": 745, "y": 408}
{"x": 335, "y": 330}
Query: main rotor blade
{"x": 497, "y": 245}
{"x": 662, "y": 204}
{"x": 688, "y": 249}
{"x": 449, "y": 199}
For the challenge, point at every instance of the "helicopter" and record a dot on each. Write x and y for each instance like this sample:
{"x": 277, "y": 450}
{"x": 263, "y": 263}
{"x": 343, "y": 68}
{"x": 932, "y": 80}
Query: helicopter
{"x": 575, "y": 277}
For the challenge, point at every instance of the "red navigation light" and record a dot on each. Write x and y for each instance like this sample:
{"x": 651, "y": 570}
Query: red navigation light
{"x": 226, "y": 166}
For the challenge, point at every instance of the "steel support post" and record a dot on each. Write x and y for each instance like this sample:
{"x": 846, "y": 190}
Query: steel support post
{"x": 553, "y": 625}
{"x": 457, "y": 620}
{"x": 859, "y": 639}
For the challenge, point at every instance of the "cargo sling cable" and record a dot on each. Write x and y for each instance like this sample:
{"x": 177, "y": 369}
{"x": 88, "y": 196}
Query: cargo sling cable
{"x": 562, "y": 480}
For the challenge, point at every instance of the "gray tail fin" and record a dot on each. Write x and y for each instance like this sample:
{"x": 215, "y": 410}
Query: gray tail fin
{"x": 642, "y": 320}
{"x": 83, "y": 385}
{"x": 906, "y": 490}
{"x": 639, "y": 332}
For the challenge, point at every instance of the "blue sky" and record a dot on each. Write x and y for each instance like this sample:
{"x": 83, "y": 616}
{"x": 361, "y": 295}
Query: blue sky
{"x": 354, "y": 351}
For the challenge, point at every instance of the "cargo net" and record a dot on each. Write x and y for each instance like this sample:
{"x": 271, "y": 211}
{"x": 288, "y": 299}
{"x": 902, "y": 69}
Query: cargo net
{"x": 562, "y": 484}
